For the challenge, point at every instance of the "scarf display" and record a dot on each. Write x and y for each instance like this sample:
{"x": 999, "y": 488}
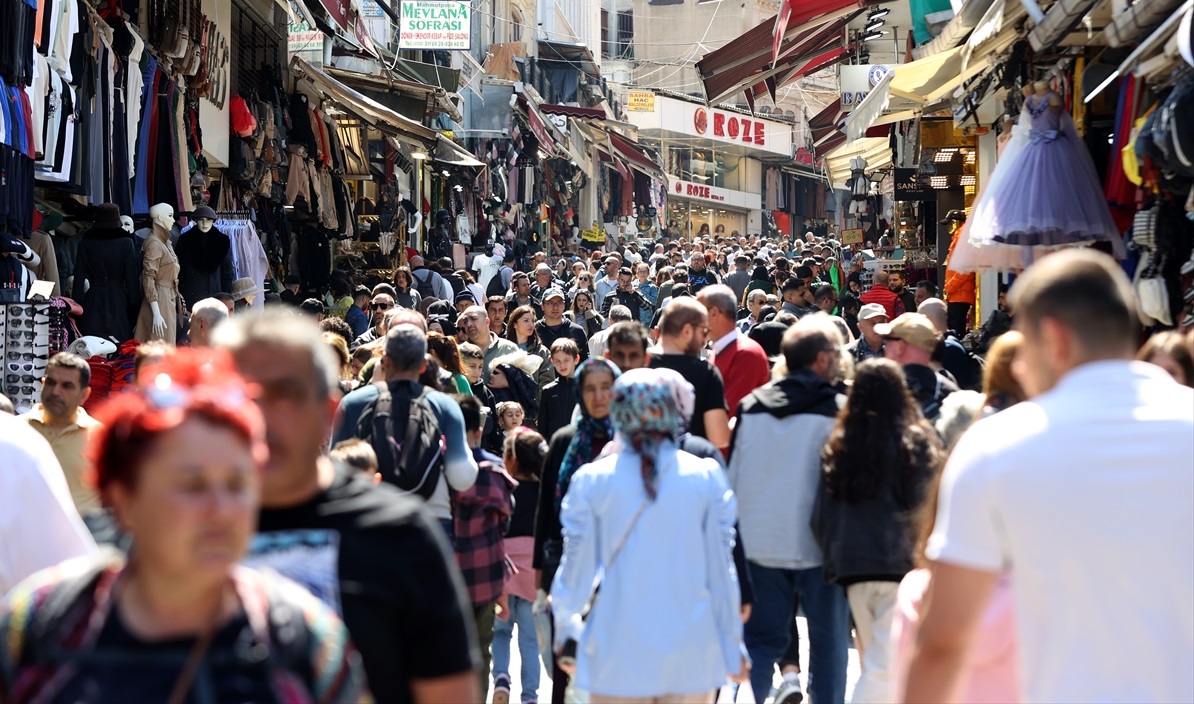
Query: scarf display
{"x": 584, "y": 446}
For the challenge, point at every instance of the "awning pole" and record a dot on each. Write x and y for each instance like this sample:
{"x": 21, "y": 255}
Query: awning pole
{"x": 1033, "y": 10}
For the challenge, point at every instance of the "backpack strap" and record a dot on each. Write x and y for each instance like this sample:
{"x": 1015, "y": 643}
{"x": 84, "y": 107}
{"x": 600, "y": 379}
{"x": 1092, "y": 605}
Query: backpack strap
{"x": 382, "y": 409}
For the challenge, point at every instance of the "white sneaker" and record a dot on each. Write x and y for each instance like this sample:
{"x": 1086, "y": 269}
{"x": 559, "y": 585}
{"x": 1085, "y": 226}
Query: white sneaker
{"x": 789, "y": 692}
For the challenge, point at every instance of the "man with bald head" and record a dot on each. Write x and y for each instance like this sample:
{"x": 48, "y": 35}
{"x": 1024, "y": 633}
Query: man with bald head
{"x": 683, "y": 332}
{"x": 964, "y": 368}
{"x": 473, "y": 324}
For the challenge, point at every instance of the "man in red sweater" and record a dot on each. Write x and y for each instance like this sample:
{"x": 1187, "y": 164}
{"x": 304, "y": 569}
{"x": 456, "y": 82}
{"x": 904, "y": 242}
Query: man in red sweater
{"x": 742, "y": 362}
{"x": 884, "y": 296}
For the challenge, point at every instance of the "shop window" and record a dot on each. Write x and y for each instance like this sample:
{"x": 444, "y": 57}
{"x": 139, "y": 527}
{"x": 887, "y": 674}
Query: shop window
{"x": 705, "y": 166}
{"x": 624, "y": 43}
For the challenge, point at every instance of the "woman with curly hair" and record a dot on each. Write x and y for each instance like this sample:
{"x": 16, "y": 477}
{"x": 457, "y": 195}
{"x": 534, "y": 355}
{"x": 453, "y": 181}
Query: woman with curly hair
{"x": 404, "y": 284}
{"x": 880, "y": 457}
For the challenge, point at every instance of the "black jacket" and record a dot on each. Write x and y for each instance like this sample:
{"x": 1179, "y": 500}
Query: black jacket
{"x": 108, "y": 261}
{"x": 557, "y": 401}
{"x": 205, "y": 265}
{"x": 872, "y": 540}
{"x": 634, "y": 300}
{"x": 548, "y": 335}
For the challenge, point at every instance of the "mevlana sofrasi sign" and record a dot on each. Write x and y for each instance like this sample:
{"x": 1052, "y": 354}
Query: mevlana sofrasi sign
{"x": 435, "y": 24}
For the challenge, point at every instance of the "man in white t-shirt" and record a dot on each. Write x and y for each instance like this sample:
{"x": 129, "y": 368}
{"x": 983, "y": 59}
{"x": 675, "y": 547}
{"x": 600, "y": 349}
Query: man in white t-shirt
{"x": 488, "y": 266}
{"x": 39, "y": 526}
{"x": 1083, "y": 496}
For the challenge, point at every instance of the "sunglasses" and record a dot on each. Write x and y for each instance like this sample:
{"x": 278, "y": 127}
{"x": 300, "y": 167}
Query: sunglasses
{"x": 22, "y": 390}
{"x": 19, "y": 378}
{"x": 26, "y": 367}
{"x": 381, "y": 306}
{"x": 27, "y": 334}
{"x": 23, "y": 322}
{"x": 27, "y": 356}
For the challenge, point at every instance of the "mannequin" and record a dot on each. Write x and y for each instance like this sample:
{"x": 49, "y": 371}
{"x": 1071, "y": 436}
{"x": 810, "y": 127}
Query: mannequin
{"x": 204, "y": 259}
{"x": 159, "y": 280}
{"x": 106, "y": 277}
{"x": 126, "y": 224}
{"x": 441, "y": 236}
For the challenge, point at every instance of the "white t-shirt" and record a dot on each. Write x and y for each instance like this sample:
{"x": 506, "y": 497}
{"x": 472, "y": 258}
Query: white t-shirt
{"x": 486, "y": 267}
{"x": 1086, "y": 497}
{"x": 39, "y": 526}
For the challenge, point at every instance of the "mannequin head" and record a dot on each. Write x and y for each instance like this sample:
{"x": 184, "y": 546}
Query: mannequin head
{"x": 162, "y": 215}
{"x": 204, "y": 218}
{"x": 126, "y": 224}
{"x": 1040, "y": 87}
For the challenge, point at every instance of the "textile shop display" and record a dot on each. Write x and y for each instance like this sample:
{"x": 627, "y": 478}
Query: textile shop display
{"x": 107, "y": 278}
{"x": 204, "y": 259}
{"x": 25, "y": 347}
{"x": 1052, "y": 194}
{"x": 159, "y": 316}
{"x": 249, "y": 260}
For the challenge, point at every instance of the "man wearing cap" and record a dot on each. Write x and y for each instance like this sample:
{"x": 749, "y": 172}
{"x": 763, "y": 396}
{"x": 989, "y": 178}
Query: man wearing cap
{"x": 869, "y": 343}
{"x": 554, "y": 325}
{"x": 627, "y": 295}
{"x": 463, "y": 301}
{"x": 605, "y": 285}
{"x": 910, "y": 340}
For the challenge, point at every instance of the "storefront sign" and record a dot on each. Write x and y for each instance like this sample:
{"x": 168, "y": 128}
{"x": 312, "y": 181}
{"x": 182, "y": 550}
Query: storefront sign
{"x": 753, "y": 136}
{"x": 713, "y": 194}
{"x": 852, "y": 236}
{"x": 370, "y": 8}
{"x": 910, "y": 187}
{"x": 435, "y": 24}
{"x": 640, "y": 101}
{"x": 337, "y": 12}
{"x": 805, "y": 157}
{"x": 857, "y": 82}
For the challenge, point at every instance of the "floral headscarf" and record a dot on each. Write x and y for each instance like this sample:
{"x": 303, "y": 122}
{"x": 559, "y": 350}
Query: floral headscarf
{"x": 650, "y": 407}
{"x": 581, "y": 449}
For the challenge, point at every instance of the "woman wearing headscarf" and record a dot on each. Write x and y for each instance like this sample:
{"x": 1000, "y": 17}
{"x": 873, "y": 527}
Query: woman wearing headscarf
{"x": 570, "y": 448}
{"x": 657, "y": 524}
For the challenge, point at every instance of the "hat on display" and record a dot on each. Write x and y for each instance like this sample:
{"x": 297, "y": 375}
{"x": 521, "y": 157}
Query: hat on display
{"x": 954, "y": 216}
{"x": 241, "y": 120}
{"x": 553, "y": 293}
{"x": 243, "y": 288}
{"x": 872, "y": 310}
{"x": 911, "y": 328}
{"x": 107, "y": 216}
{"x": 204, "y": 212}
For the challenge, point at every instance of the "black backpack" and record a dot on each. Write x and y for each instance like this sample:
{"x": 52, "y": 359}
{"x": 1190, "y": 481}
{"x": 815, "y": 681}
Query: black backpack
{"x": 495, "y": 287}
{"x": 426, "y": 285}
{"x": 404, "y": 432}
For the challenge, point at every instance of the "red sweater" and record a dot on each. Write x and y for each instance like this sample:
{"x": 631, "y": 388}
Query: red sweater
{"x": 886, "y": 298}
{"x": 744, "y": 367}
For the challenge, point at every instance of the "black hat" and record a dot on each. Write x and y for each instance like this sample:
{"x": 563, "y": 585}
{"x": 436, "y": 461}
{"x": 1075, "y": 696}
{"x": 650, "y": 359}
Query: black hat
{"x": 954, "y": 216}
{"x": 204, "y": 212}
{"x": 107, "y": 215}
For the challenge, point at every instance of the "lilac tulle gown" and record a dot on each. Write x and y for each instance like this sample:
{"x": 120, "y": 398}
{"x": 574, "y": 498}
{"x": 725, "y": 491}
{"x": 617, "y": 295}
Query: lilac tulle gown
{"x": 1051, "y": 196}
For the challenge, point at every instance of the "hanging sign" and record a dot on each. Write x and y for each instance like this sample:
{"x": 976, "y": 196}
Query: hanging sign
{"x": 435, "y": 24}
{"x": 852, "y": 236}
{"x": 909, "y": 186}
{"x": 857, "y": 81}
{"x": 640, "y": 101}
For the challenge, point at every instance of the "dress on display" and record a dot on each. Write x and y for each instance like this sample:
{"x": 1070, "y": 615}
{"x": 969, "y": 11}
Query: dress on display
{"x": 1052, "y": 195}
{"x": 159, "y": 282}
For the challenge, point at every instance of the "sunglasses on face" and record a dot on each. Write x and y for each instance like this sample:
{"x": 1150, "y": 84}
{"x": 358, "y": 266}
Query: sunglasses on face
{"x": 381, "y": 306}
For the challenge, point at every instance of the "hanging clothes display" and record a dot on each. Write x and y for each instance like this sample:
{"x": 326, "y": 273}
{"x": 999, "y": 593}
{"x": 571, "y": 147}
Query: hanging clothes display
{"x": 1052, "y": 195}
{"x": 249, "y": 259}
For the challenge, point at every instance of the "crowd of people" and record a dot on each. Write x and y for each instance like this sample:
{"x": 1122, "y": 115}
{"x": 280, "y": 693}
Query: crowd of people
{"x": 637, "y": 466}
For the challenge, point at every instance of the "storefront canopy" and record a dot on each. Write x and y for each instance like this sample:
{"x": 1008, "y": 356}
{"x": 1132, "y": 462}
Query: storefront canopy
{"x": 876, "y": 151}
{"x": 811, "y": 37}
{"x": 364, "y": 107}
{"x": 452, "y": 154}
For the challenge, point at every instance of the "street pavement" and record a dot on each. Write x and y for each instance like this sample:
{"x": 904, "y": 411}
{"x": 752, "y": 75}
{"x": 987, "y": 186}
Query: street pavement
{"x": 726, "y": 696}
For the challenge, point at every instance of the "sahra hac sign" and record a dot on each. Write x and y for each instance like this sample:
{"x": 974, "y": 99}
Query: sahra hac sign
{"x": 435, "y": 24}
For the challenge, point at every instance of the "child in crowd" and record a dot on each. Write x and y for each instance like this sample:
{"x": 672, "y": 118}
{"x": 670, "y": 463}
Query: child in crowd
{"x": 356, "y": 455}
{"x": 558, "y": 399}
{"x": 522, "y": 456}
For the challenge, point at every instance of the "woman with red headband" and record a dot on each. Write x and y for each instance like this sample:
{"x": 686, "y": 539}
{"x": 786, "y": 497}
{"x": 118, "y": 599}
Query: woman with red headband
{"x": 178, "y": 464}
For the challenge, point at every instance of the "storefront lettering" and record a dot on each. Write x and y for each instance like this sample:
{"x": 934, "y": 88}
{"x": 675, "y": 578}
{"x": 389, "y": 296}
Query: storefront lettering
{"x": 694, "y": 190}
{"x": 731, "y": 127}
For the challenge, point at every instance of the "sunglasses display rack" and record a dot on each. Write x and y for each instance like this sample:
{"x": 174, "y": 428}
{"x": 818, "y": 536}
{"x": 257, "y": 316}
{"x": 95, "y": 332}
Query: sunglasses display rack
{"x": 24, "y": 349}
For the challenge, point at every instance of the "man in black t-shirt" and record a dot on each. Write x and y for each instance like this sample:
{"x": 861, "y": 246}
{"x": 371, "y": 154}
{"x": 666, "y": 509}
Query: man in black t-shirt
{"x": 683, "y": 330}
{"x": 370, "y": 552}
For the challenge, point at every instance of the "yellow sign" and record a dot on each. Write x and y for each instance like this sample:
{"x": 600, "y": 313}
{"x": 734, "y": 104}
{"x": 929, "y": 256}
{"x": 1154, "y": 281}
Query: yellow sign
{"x": 852, "y": 236}
{"x": 640, "y": 101}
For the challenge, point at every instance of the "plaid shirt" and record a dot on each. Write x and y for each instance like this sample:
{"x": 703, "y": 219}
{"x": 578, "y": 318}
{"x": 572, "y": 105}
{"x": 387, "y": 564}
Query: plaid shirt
{"x": 480, "y": 515}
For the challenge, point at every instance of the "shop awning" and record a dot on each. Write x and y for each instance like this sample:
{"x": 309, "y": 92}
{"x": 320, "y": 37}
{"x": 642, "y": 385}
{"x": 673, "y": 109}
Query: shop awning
{"x": 1138, "y": 20}
{"x": 576, "y": 54}
{"x": 956, "y": 31}
{"x": 1158, "y": 51}
{"x": 813, "y": 39}
{"x": 876, "y": 151}
{"x": 436, "y": 98}
{"x": 550, "y": 141}
{"x": 362, "y": 106}
{"x": 572, "y": 111}
{"x": 911, "y": 87}
{"x": 626, "y": 153}
{"x": 1059, "y": 20}
{"x": 452, "y": 154}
